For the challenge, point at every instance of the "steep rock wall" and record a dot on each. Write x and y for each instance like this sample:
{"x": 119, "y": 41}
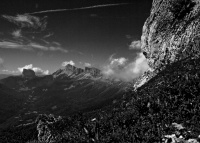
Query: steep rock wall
{"x": 171, "y": 33}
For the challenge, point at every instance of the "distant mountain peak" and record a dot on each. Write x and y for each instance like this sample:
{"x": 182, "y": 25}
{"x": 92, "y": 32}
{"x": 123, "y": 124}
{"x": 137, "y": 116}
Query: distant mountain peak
{"x": 28, "y": 73}
{"x": 70, "y": 70}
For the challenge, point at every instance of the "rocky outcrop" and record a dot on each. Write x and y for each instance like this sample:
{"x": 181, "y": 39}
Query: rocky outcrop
{"x": 93, "y": 71}
{"x": 45, "y": 127}
{"x": 28, "y": 73}
{"x": 79, "y": 70}
{"x": 171, "y": 33}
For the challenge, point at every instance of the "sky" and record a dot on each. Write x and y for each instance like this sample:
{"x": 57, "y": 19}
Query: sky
{"x": 46, "y": 35}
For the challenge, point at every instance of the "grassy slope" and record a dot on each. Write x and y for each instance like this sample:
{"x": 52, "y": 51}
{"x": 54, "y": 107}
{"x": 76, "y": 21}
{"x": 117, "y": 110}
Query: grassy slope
{"x": 145, "y": 116}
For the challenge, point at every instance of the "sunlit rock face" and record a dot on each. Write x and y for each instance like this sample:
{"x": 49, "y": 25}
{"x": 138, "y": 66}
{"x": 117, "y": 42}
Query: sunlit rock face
{"x": 28, "y": 73}
{"x": 172, "y": 32}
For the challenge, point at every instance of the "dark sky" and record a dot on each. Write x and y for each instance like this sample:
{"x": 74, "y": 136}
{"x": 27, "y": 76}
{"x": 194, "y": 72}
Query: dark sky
{"x": 75, "y": 32}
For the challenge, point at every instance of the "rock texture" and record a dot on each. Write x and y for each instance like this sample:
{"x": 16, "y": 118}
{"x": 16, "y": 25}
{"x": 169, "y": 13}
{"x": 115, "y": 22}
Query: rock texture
{"x": 171, "y": 33}
{"x": 71, "y": 70}
{"x": 28, "y": 73}
{"x": 93, "y": 71}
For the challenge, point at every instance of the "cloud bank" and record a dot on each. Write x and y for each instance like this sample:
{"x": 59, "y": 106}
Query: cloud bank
{"x": 10, "y": 72}
{"x": 37, "y": 70}
{"x": 68, "y": 62}
{"x": 123, "y": 69}
{"x": 16, "y": 33}
{"x": 29, "y": 42}
{"x": 87, "y": 65}
{"x": 135, "y": 45}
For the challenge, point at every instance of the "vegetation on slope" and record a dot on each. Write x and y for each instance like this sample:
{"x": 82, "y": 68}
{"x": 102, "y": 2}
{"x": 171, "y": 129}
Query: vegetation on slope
{"x": 168, "y": 101}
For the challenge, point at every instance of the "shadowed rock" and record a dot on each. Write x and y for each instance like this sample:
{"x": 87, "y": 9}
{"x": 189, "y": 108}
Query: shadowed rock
{"x": 28, "y": 73}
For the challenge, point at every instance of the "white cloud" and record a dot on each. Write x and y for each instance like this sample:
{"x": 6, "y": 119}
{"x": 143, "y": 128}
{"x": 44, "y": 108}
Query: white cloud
{"x": 135, "y": 45}
{"x": 12, "y": 45}
{"x": 37, "y": 70}
{"x": 30, "y": 46}
{"x": 120, "y": 68}
{"x": 26, "y": 20}
{"x": 87, "y": 65}
{"x": 52, "y": 48}
{"x": 38, "y": 46}
{"x": 10, "y": 72}
{"x": 119, "y": 61}
{"x": 68, "y": 62}
{"x": 17, "y": 33}
{"x": 48, "y": 35}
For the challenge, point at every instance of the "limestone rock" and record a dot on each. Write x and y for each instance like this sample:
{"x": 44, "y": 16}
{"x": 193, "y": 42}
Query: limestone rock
{"x": 172, "y": 32}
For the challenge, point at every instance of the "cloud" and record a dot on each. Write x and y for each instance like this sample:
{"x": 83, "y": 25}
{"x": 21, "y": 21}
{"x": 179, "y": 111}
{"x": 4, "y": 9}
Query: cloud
{"x": 38, "y": 46}
{"x": 135, "y": 45}
{"x": 118, "y": 62}
{"x": 37, "y": 70}
{"x": 26, "y": 20}
{"x": 10, "y": 72}
{"x": 81, "y": 8}
{"x": 68, "y": 62}
{"x": 87, "y": 65}
{"x": 12, "y": 45}
{"x": 120, "y": 68}
{"x": 48, "y": 35}
{"x": 17, "y": 33}
{"x": 30, "y": 46}
{"x": 51, "y": 48}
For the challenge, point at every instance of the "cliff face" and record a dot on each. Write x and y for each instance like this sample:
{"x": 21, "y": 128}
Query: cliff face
{"x": 172, "y": 32}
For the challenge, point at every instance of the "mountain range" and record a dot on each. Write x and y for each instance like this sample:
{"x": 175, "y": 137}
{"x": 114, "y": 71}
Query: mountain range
{"x": 67, "y": 91}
